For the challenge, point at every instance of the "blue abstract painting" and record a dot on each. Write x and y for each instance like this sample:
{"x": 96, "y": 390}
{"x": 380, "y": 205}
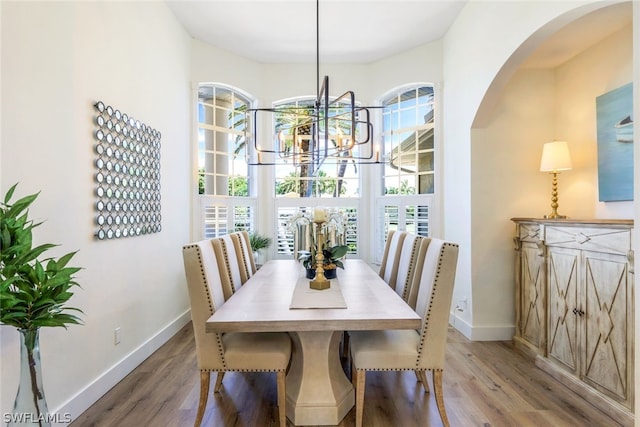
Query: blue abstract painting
{"x": 614, "y": 111}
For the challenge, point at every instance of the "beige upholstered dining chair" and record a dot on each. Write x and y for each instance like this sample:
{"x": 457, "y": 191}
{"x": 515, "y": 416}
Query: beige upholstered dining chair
{"x": 232, "y": 351}
{"x": 419, "y": 351}
{"x": 411, "y": 257}
{"x": 391, "y": 257}
{"x": 243, "y": 250}
{"x": 230, "y": 261}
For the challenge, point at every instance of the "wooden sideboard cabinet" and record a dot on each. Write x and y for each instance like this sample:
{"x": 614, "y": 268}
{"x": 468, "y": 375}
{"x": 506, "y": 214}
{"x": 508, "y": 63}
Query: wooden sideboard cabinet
{"x": 574, "y": 306}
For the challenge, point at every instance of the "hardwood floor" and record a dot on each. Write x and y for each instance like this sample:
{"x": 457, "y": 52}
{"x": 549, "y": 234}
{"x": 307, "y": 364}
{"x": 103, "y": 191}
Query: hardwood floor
{"x": 485, "y": 384}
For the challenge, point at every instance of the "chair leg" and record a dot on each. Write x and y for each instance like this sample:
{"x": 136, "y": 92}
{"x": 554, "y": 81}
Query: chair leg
{"x": 282, "y": 397}
{"x": 353, "y": 375}
{"x": 219, "y": 377}
{"x": 204, "y": 394}
{"x": 422, "y": 377}
{"x": 437, "y": 385}
{"x": 361, "y": 377}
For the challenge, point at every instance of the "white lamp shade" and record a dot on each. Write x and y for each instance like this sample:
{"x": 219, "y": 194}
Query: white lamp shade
{"x": 555, "y": 157}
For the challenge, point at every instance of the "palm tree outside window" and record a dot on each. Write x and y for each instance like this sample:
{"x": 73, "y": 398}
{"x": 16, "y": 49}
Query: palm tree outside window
{"x": 298, "y": 187}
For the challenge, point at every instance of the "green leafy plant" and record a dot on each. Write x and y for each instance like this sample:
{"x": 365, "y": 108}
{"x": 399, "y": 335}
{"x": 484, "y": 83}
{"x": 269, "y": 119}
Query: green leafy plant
{"x": 259, "y": 241}
{"x": 33, "y": 294}
{"x": 33, "y": 291}
{"x": 332, "y": 257}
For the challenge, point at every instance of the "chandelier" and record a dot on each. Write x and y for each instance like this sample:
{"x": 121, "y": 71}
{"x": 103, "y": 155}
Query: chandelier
{"x": 329, "y": 131}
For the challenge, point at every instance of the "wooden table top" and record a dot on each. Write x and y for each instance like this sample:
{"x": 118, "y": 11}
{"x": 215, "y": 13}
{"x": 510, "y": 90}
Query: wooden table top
{"x": 262, "y": 303}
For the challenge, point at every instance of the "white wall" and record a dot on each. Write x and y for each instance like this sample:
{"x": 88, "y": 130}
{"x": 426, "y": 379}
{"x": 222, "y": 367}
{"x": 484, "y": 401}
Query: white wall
{"x": 479, "y": 61}
{"x": 58, "y": 59}
{"x": 505, "y": 162}
{"x": 598, "y": 70}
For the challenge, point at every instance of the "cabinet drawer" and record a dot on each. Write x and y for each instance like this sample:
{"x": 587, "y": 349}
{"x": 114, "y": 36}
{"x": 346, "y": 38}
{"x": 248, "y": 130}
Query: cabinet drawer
{"x": 597, "y": 239}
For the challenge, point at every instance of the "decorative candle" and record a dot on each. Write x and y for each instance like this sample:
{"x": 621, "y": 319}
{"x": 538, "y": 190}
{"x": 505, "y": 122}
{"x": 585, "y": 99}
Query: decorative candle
{"x": 319, "y": 215}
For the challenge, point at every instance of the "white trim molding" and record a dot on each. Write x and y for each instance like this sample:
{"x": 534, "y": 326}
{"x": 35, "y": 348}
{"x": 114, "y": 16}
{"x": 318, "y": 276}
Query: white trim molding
{"x": 90, "y": 394}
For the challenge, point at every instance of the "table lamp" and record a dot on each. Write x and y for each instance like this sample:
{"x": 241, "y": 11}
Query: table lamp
{"x": 555, "y": 158}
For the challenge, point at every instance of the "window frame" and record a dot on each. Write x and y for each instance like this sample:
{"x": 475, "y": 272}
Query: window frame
{"x": 218, "y": 214}
{"x": 391, "y": 137}
{"x": 404, "y": 202}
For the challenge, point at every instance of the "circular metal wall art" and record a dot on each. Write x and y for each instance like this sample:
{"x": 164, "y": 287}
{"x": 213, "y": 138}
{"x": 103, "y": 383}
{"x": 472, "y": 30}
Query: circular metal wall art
{"x": 127, "y": 175}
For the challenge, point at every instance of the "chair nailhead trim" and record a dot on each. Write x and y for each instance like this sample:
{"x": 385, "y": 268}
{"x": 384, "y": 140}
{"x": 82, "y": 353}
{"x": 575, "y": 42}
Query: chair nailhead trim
{"x": 228, "y": 265}
{"x": 242, "y": 370}
{"x": 245, "y": 261}
{"x": 399, "y": 369}
{"x": 209, "y": 300}
{"x": 425, "y": 321}
{"x": 412, "y": 262}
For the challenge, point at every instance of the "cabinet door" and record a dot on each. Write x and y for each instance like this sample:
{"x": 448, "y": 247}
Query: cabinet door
{"x": 532, "y": 296}
{"x": 563, "y": 271}
{"x": 607, "y": 354}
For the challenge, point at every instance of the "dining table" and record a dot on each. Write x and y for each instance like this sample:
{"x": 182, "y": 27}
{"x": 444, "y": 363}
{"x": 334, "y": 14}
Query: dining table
{"x": 278, "y": 298}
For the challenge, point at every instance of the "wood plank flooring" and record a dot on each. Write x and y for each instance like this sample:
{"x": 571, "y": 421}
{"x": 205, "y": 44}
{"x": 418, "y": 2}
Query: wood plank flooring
{"x": 486, "y": 384}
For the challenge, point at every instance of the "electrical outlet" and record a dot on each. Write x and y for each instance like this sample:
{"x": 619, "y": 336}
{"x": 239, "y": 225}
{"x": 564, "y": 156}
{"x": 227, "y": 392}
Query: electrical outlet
{"x": 117, "y": 336}
{"x": 462, "y": 305}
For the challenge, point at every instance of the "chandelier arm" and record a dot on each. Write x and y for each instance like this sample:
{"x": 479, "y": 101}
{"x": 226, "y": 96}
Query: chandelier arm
{"x": 308, "y": 142}
{"x": 256, "y": 147}
{"x": 368, "y": 126}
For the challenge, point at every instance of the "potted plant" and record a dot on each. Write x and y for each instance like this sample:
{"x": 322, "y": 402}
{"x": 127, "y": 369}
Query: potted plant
{"x": 258, "y": 242}
{"x": 34, "y": 291}
{"x": 332, "y": 260}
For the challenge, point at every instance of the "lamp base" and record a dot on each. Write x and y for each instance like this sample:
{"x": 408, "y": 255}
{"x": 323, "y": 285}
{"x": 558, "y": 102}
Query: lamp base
{"x": 555, "y": 216}
{"x": 320, "y": 283}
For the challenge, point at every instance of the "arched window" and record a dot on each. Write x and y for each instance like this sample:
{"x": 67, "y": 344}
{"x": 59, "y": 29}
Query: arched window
{"x": 408, "y": 132}
{"x": 224, "y": 184}
{"x": 408, "y": 181}
{"x": 222, "y": 165}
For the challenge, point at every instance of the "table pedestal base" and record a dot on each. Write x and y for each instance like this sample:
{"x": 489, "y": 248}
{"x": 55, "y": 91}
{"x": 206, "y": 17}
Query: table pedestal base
{"x": 318, "y": 391}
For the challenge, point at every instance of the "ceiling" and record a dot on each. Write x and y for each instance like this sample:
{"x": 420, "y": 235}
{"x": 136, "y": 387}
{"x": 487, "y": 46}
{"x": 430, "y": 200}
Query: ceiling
{"x": 580, "y": 34}
{"x": 284, "y": 31}
{"x": 360, "y": 31}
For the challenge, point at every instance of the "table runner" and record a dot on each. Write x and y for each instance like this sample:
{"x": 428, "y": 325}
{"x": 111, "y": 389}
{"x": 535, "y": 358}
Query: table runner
{"x": 305, "y": 297}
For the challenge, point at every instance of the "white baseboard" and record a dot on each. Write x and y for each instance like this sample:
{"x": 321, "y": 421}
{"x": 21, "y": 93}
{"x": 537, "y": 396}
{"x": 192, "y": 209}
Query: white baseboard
{"x": 460, "y": 324}
{"x": 481, "y": 333}
{"x": 101, "y": 385}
